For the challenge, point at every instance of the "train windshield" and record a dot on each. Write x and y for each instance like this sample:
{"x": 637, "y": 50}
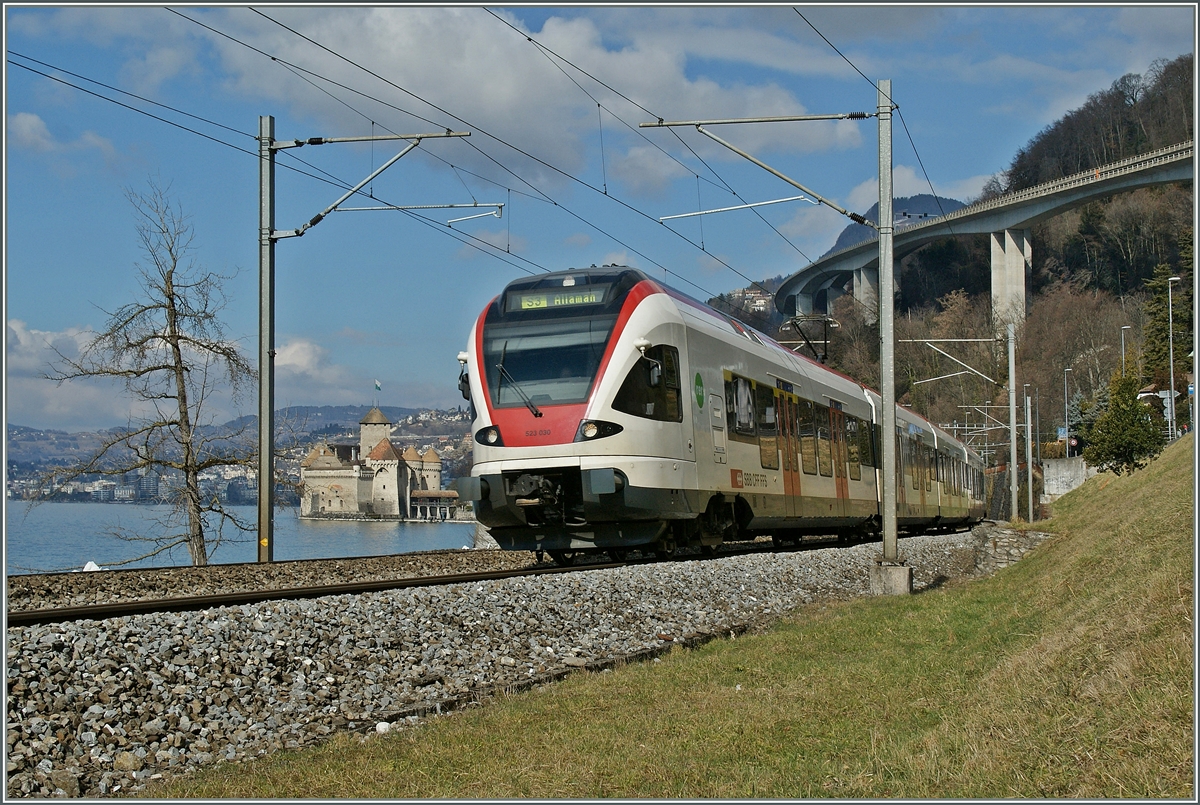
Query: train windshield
{"x": 544, "y": 338}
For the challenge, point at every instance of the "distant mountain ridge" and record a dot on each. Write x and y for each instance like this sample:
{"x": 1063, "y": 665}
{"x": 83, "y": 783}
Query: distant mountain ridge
{"x": 26, "y": 444}
{"x": 924, "y": 205}
{"x": 316, "y": 417}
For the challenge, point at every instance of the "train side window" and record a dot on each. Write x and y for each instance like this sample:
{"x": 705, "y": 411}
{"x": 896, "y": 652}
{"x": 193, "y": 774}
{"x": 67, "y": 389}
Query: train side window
{"x": 866, "y": 453}
{"x": 739, "y": 407}
{"x": 651, "y": 389}
{"x": 766, "y": 417}
{"x": 915, "y": 453}
{"x": 787, "y": 431}
{"x": 808, "y": 437}
{"x": 930, "y": 468}
{"x": 824, "y": 448}
{"x": 852, "y": 449}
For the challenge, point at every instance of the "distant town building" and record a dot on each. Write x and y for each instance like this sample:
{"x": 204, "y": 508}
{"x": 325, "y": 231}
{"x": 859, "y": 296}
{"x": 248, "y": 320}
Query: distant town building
{"x": 374, "y": 477}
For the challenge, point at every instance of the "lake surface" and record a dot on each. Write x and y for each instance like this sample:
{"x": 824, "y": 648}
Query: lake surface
{"x": 66, "y": 536}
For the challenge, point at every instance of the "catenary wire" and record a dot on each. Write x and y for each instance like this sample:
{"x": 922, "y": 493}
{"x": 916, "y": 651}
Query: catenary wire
{"x": 523, "y": 153}
{"x": 903, "y": 123}
{"x": 724, "y": 185}
{"x": 462, "y": 237}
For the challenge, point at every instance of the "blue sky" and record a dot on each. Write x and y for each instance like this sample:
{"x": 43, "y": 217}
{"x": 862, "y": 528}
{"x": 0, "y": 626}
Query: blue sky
{"x": 386, "y": 296}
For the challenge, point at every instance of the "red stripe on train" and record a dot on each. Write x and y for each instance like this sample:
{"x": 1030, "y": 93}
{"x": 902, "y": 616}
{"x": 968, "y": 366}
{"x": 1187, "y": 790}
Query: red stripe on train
{"x": 558, "y": 423}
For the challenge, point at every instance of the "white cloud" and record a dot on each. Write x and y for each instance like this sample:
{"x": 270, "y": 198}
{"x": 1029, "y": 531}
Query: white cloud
{"x": 34, "y": 401}
{"x": 305, "y": 374}
{"x": 148, "y": 71}
{"x": 646, "y": 171}
{"x": 964, "y": 190}
{"x": 28, "y": 131}
{"x": 813, "y": 229}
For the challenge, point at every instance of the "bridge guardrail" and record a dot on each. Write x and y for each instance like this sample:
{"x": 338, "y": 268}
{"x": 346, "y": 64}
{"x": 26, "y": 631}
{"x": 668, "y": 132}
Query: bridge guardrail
{"x": 1171, "y": 153}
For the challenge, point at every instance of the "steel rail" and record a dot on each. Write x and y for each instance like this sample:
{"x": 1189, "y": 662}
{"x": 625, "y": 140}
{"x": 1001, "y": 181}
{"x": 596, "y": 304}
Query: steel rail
{"x": 33, "y": 617}
{"x": 36, "y": 617}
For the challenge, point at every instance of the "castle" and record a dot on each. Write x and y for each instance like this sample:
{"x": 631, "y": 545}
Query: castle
{"x": 374, "y": 478}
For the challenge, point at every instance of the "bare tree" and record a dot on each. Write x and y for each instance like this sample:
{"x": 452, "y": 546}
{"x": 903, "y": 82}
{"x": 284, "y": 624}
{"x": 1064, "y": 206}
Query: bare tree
{"x": 170, "y": 352}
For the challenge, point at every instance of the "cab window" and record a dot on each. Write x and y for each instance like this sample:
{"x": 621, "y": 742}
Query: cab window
{"x": 651, "y": 389}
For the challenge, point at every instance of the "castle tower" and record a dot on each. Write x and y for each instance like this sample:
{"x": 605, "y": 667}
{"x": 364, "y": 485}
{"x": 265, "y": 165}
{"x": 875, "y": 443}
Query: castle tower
{"x": 431, "y": 470}
{"x": 372, "y": 429}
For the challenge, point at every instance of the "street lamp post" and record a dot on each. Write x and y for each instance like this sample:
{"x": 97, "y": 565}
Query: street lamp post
{"x": 1066, "y": 417}
{"x": 1028, "y": 452}
{"x": 1123, "y": 329}
{"x": 1171, "y": 356}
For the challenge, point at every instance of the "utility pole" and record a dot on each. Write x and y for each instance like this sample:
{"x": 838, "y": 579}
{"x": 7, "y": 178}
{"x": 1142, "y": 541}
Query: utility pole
{"x": 267, "y": 235}
{"x": 889, "y": 575}
{"x": 893, "y": 576}
{"x": 1012, "y": 418}
{"x": 266, "y": 339}
{"x": 1028, "y": 453}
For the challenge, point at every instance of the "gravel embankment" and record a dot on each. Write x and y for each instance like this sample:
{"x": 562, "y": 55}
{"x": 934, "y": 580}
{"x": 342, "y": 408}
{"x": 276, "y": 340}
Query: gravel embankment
{"x": 96, "y": 708}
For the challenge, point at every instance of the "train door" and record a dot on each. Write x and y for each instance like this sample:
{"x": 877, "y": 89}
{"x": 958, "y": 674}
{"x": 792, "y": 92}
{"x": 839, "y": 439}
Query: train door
{"x": 837, "y": 433}
{"x": 922, "y": 476}
{"x": 716, "y": 406}
{"x": 791, "y": 449}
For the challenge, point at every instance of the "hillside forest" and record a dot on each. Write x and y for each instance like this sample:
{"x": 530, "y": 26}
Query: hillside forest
{"x": 1096, "y": 270}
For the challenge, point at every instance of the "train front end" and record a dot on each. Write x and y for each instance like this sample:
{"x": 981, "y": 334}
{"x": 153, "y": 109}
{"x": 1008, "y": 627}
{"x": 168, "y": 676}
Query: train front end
{"x": 574, "y": 380}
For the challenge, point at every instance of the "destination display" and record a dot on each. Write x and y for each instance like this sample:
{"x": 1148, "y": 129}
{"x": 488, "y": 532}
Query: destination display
{"x": 554, "y": 299}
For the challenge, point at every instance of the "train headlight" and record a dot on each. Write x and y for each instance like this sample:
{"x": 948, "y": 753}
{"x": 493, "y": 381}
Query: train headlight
{"x": 489, "y": 436}
{"x": 590, "y": 429}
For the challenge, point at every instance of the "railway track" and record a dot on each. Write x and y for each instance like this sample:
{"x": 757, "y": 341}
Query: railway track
{"x": 33, "y": 617}
{"x": 189, "y": 603}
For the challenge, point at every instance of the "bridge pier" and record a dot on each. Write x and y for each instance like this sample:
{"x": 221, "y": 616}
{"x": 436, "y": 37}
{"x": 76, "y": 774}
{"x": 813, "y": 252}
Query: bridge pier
{"x": 1012, "y": 257}
{"x": 866, "y": 292}
{"x": 1006, "y": 219}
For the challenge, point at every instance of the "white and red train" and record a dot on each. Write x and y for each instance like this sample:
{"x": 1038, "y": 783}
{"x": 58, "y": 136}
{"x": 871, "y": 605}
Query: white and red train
{"x": 612, "y": 413}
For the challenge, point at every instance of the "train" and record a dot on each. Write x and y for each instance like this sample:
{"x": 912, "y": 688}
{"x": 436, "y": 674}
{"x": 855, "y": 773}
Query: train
{"x": 612, "y": 413}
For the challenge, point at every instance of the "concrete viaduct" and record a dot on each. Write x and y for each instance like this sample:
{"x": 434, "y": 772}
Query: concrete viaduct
{"x": 1006, "y": 218}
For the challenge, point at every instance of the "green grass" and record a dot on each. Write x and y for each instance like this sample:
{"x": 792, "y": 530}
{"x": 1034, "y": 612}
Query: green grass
{"x": 1068, "y": 674}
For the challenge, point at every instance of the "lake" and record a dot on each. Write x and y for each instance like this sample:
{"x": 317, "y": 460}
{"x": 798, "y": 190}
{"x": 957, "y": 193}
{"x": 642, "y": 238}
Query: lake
{"x": 66, "y": 536}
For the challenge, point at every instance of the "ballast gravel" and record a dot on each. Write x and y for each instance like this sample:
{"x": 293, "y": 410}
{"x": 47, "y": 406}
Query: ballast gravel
{"x": 98, "y": 708}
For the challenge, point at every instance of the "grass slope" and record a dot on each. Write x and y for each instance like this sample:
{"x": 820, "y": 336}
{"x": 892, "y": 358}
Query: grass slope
{"x": 1069, "y": 674}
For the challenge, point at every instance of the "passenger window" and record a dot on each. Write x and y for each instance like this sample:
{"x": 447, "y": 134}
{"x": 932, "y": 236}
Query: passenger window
{"x": 865, "y": 444}
{"x": 915, "y": 453}
{"x": 765, "y": 409}
{"x": 824, "y": 449}
{"x": 808, "y": 437}
{"x": 852, "y": 449}
{"x": 739, "y": 406}
{"x": 651, "y": 389}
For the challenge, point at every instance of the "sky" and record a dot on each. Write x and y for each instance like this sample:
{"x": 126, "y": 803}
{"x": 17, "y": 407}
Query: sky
{"x": 552, "y": 97}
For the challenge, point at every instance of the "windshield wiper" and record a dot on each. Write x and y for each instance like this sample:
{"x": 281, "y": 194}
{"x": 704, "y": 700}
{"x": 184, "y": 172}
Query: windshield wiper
{"x": 504, "y": 373}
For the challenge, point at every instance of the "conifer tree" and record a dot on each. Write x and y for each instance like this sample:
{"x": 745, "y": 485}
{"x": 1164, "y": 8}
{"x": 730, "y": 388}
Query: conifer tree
{"x": 1128, "y": 434}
